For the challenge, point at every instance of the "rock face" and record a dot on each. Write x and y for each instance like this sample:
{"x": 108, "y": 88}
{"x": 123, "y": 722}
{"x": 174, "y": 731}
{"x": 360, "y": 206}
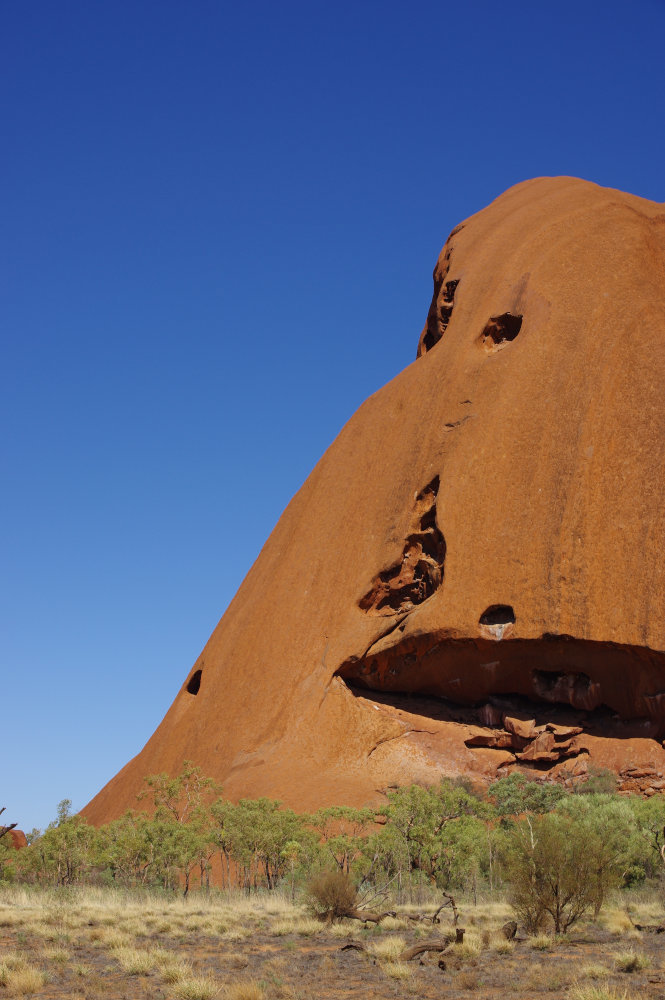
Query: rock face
{"x": 472, "y": 578}
{"x": 18, "y": 838}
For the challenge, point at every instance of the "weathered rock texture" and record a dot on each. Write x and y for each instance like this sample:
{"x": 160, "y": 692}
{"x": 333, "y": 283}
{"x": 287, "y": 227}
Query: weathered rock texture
{"x": 472, "y": 578}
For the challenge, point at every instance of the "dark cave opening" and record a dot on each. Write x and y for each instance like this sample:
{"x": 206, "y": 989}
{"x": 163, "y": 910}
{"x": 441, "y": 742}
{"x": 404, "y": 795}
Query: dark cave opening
{"x": 194, "y": 682}
{"x": 497, "y": 614}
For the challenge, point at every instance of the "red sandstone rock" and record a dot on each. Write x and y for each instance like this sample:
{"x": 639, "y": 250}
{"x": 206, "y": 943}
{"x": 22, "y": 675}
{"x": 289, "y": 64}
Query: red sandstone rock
{"x": 561, "y": 732}
{"x": 489, "y": 523}
{"x": 525, "y": 728}
{"x": 17, "y": 838}
{"x": 489, "y": 738}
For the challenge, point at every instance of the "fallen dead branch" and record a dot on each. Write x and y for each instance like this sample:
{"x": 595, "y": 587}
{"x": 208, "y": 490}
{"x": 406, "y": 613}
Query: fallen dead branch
{"x": 647, "y": 928}
{"x": 369, "y": 916}
{"x": 434, "y": 918}
{"x": 437, "y": 944}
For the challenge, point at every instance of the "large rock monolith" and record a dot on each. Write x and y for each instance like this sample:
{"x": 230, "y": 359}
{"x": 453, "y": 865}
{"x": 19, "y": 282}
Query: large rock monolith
{"x": 483, "y": 541}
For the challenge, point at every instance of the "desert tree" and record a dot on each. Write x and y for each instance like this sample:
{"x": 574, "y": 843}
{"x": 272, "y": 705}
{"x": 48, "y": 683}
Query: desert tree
{"x": 562, "y": 863}
{"x": 177, "y": 798}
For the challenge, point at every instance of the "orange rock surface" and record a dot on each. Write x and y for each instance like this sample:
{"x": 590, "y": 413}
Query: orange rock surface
{"x": 483, "y": 541}
{"x": 18, "y": 838}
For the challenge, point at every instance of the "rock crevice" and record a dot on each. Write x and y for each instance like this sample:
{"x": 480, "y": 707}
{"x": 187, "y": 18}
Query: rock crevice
{"x": 419, "y": 572}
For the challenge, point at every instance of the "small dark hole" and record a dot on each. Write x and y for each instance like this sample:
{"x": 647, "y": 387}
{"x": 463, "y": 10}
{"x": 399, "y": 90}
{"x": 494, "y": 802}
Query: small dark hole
{"x": 194, "y": 682}
{"x": 498, "y": 614}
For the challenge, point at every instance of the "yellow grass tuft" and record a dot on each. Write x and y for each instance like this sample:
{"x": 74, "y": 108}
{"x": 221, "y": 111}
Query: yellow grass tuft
{"x": 468, "y": 949}
{"x": 176, "y": 972}
{"x": 541, "y": 942}
{"x": 22, "y": 981}
{"x": 14, "y": 960}
{"x": 116, "y": 939}
{"x": 196, "y": 988}
{"x": 305, "y": 926}
{"x": 594, "y": 971}
{"x": 248, "y": 990}
{"x": 236, "y": 934}
{"x": 135, "y": 961}
{"x": 588, "y": 992}
{"x": 387, "y": 948}
{"x": 397, "y": 970}
{"x": 616, "y": 921}
{"x": 631, "y": 961}
{"x": 394, "y": 924}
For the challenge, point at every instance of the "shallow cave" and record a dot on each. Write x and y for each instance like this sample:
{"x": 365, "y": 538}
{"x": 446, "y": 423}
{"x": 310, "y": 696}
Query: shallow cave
{"x": 500, "y": 330}
{"x": 497, "y": 614}
{"x": 619, "y": 689}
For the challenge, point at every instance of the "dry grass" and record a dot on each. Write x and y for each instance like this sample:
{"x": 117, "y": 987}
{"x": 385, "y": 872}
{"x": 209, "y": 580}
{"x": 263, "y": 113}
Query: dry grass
{"x": 196, "y": 988}
{"x": 112, "y": 939}
{"x": 616, "y": 922}
{"x": 467, "y": 979}
{"x": 582, "y": 992}
{"x": 467, "y": 950}
{"x": 237, "y": 934}
{"x": 388, "y": 948}
{"x": 293, "y": 957}
{"x": 249, "y": 990}
{"x": 594, "y": 971}
{"x": 176, "y": 972}
{"x": 503, "y": 947}
{"x": 394, "y": 924}
{"x": 541, "y": 942}
{"x": 343, "y": 929}
{"x": 13, "y": 960}
{"x": 398, "y": 970}
{"x": 22, "y": 981}
{"x": 60, "y": 955}
{"x": 135, "y": 961}
{"x": 631, "y": 961}
{"x": 305, "y": 926}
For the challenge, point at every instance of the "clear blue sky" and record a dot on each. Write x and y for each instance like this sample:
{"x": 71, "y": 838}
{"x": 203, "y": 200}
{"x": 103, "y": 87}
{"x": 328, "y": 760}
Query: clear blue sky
{"x": 219, "y": 223}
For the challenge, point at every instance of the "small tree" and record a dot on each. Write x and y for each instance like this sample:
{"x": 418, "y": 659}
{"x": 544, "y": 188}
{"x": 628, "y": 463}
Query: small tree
{"x": 558, "y": 864}
{"x": 177, "y": 798}
{"x": 517, "y": 794}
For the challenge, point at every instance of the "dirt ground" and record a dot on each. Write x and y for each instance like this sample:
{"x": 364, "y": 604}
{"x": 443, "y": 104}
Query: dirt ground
{"x": 108, "y": 947}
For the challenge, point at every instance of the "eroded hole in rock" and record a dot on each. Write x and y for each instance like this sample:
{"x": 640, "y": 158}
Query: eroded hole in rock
{"x": 500, "y": 330}
{"x": 419, "y": 572}
{"x": 194, "y": 682}
{"x": 534, "y": 698}
{"x": 498, "y": 614}
{"x": 443, "y": 300}
{"x": 497, "y": 621}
